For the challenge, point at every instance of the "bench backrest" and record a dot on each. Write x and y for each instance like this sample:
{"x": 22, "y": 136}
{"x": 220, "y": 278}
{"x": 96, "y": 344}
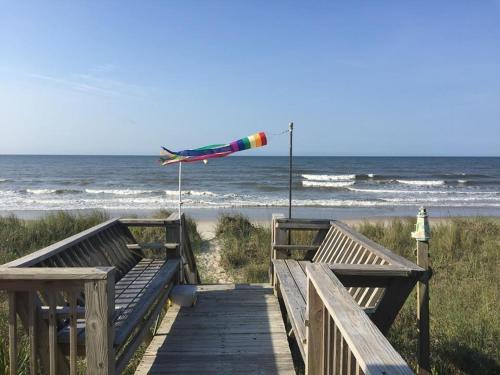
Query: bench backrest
{"x": 100, "y": 246}
{"x": 342, "y": 245}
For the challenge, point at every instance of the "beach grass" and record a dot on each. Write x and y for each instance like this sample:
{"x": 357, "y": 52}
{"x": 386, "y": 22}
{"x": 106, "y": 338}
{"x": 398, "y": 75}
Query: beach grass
{"x": 19, "y": 237}
{"x": 464, "y": 303}
{"x": 244, "y": 248}
{"x": 464, "y": 300}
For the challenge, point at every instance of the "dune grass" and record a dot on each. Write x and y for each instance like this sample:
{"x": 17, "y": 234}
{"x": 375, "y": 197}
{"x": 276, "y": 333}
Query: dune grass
{"x": 464, "y": 303}
{"x": 19, "y": 237}
{"x": 245, "y": 248}
{"x": 464, "y": 300}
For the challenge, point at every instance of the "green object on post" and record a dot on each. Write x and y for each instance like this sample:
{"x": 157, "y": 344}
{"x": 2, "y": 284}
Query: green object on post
{"x": 422, "y": 229}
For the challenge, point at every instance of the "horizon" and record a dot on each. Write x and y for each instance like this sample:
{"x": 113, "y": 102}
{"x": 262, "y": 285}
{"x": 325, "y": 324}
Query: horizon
{"x": 276, "y": 156}
{"x": 378, "y": 80}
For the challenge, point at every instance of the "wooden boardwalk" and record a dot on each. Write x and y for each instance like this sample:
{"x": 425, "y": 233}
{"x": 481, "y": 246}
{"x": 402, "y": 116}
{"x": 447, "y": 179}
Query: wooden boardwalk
{"x": 232, "y": 329}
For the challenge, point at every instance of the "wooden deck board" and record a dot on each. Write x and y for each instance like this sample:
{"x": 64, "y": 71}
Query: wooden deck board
{"x": 232, "y": 329}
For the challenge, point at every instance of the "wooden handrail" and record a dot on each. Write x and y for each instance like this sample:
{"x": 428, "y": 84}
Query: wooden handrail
{"x": 55, "y": 285}
{"x": 375, "y": 248}
{"x": 49, "y": 251}
{"x": 296, "y": 247}
{"x": 341, "y": 338}
{"x": 54, "y": 273}
{"x": 132, "y": 222}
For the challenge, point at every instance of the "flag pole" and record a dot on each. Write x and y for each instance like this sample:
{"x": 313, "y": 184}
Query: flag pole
{"x": 180, "y": 188}
{"x": 181, "y": 273}
{"x": 290, "y": 130}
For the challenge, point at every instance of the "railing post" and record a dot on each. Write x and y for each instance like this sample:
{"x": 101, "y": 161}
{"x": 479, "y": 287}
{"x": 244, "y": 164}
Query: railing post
{"x": 314, "y": 331}
{"x": 99, "y": 331}
{"x": 278, "y": 237}
{"x": 12, "y": 334}
{"x": 172, "y": 235}
{"x": 422, "y": 235}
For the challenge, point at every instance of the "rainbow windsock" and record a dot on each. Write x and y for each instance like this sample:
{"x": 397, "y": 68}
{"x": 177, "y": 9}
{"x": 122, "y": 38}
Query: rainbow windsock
{"x": 212, "y": 151}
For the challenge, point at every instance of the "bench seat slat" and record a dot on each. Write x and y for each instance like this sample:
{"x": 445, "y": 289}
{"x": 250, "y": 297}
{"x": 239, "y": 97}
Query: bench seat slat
{"x": 294, "y": 301}
{"x": 133, "y": 299}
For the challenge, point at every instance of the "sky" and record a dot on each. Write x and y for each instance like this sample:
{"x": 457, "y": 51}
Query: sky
{"x": 375, "y": 78}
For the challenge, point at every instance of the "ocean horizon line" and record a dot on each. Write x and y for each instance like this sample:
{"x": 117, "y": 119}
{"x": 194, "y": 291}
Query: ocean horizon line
{"x": 275, "y": 156}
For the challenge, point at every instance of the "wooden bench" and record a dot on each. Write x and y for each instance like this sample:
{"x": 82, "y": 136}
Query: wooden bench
{"x": 378, "y": 280}
{"x": 341, "y": 339}
{"x": 95, "y": 294}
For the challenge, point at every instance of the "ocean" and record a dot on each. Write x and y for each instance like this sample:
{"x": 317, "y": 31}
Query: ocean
{"x": 322, "y": 186}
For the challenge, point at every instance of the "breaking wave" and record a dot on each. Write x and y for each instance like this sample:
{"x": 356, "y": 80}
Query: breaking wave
{"x": 41, "y": 191}
{"x": 327, "y": 177}
{"x": 422, "y": 182}
{"x": 194, "y": 193}
{"x": 327, "y": 184}
{"x": 118, "y": 191}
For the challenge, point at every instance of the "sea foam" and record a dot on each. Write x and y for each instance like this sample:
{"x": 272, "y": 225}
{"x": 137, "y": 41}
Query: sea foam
{"x": 118, "y": 191}
{"x": 422, "y": 182}
{"x": 194, "y": 193}
{"x": 340, "y": 184}
{"x": 41, "y": 191}
{"x": 329, "y": 177}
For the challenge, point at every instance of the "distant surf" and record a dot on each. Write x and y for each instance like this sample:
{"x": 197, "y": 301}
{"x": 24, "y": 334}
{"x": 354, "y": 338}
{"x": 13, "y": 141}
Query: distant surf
{"x": 137, "y": 182}
{"x": 327, "y": 184}
{"x": 421, "y": 182}
{"x": 322, "y": 177}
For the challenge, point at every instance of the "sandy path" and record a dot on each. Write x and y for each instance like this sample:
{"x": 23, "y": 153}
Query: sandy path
{"x": 209, "y": 259}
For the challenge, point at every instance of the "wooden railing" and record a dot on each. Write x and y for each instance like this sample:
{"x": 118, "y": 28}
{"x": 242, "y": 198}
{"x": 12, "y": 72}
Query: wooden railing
{"x": 64, "y": 295}
{"x": 281, "y": 241}
{"x": 58, "y": 287}
{"x": 175, "y": 244}
{"x": 341, "y": 338}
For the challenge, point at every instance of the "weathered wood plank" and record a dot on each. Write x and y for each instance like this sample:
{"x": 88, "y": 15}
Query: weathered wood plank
{"x": 372, "y": 351}
{"x": 52, "y": 334}
{"x": 190, "y": 341}
{"x": 296, "y": 247}
{"x": 54, "y": 273}
{"x": 12, "y": 334}
{"x": 142, "y": 302}
{"x": 40, "y": 255}
{"x": 302, "y": 226}
{"x": 32, "y": 332}
{"x": 375, "y": 248}
{"x": 139, "y": 337}
{"x": 132, "y": 222}
{"x": 314, "y": 332}
{"x": 293, "y": 299}
{"x": 73, "y": 342}
{"x": 99, "y": 332}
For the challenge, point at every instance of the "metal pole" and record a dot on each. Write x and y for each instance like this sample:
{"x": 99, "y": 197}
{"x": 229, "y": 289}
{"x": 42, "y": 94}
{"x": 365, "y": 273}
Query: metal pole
{"x": 180, "y": 188}
{"x": 181, "y": 273}
{"x": 290, "y": 130}
{"x": 422, "y": 235}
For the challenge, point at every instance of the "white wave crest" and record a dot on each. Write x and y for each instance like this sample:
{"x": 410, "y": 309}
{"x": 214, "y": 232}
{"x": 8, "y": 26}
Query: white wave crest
{"x": 118, "y": 191}
{"x": 4, "y": 179}
{"x": 194, "y": 193}
{"x": 7, "y": 192}
{"x": 327, "y": 184}
{"x": 41, "y": 191}
{"x": 371, "y": 175}
{"x": 422, "y": 182}
{"x": 462, "y": 181}
{"x": 329, "y": 177}
{"x": 427, "y": 192}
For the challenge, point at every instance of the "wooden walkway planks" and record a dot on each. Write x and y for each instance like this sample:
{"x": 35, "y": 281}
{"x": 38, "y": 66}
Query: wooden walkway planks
{"x": 232, "y": 329}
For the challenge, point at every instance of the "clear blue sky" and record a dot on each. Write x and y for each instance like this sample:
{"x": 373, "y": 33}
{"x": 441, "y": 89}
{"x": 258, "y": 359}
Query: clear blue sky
{"x": 358, "y": 78}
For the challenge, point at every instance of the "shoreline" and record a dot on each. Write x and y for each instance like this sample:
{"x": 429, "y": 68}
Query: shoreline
{"x": 206, "y": 218}
{"x": 264, "y": 214}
